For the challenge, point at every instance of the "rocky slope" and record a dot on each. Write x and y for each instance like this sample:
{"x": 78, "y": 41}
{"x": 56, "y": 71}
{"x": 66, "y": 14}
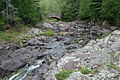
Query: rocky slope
{"x": 72, "y": 45}
{"x": 95, "y": 55}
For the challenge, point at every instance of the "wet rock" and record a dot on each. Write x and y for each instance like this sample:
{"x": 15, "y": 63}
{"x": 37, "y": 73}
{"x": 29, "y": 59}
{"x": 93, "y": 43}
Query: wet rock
{"x": 12, "y": 65}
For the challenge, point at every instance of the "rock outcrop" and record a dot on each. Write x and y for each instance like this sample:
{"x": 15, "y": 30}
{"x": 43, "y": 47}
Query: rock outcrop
{"x": 95, "y": 55}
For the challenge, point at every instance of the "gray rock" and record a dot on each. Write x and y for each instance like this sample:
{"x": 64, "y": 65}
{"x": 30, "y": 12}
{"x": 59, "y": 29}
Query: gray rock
{"x": 33, "y": 42}
{"x": 47, "y": 25}
{"x": 102, "y": 75}
{"x": 12, "y": 65}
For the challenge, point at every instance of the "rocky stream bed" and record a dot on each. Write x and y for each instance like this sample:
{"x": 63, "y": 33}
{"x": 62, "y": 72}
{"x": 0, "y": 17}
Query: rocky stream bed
{"x": 73, "y": 45}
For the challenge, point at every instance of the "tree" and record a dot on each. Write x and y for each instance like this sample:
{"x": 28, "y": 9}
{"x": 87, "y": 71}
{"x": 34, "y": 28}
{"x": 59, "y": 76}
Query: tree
{"x": 95, "y": 9}
{"x": 111, "y": 11}
{"x": 27, "y": 10}
{"x": 84, "y": 9}
{"x": 70, "y": 11}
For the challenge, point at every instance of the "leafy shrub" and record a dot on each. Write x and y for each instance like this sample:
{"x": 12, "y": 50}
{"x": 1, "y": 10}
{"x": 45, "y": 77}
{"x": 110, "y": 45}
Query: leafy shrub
{"x": 63, "y": 74}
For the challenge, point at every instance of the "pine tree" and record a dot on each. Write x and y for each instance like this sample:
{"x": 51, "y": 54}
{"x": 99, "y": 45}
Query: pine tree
{"x": 84, "y": 10}
{"x": 27, "y": 10}
{"x": 111, "y": 11}
{"x": 95, "y": 9}
{"x": 71, "y": 10}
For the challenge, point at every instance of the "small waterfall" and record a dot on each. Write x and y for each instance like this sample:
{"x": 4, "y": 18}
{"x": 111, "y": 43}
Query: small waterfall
{"x": 25, "y": 72}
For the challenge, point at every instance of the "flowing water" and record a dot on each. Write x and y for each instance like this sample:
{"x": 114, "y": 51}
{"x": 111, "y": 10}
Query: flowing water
{"x": 25, "y": 72}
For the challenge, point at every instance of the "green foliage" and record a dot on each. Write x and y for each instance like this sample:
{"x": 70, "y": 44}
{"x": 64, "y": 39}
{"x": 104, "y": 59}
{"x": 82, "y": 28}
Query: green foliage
{"x": 84, "y": 9}
{"x": 71, "y": 10}
{"x": 7, "y": 36}
{"x": 50, "y": 6}
{"x": 95, "y": 8}
{"x": 1, "y": 26}
{"x": 50, "y": 20}
{"x": 2, "y": 5}
{"x": 112, "y": 65}
{"x": 111, "y": 10}
{"x": 12, "y": 34}
{"x": 26, "y": 10}
{"x": 49, "y": 32}
{"x": 85, "y": 70}
{"x": 2, "y": 21}
{"x": 63, "y": 74}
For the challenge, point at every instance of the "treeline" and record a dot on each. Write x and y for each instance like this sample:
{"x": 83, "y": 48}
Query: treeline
{"x": 93, "y": 10}
{"x": 15, "y": 12}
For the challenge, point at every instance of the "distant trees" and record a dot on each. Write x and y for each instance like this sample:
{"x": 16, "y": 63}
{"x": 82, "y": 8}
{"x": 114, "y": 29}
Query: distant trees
{"x": 84, "y": 9}
{"x": 71, "y": 10}
{"x": 93, "y": 10}
{"x": 31, "y": 11}
{"x": 111, "y": 11}
{"x": 15, "y": 11}
{"x": 27, "y": 10}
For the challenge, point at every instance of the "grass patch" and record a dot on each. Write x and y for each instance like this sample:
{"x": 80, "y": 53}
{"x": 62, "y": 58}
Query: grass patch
{"x": 112, "y": 65}
{"x": 85, "y": 70}
{"x": 49, "y": 32}
{"x": 63, "y": 74}
{"x": 12, "y": 34}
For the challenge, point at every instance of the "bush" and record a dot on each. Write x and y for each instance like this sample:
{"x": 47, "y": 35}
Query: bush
{"x": 63, "y": 74}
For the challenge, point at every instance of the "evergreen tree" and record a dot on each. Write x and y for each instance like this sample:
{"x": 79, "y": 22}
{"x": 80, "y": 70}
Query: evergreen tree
{"x": 111, "y": 11}
{"x": 27, "y": 10}
{"x": 71, "y": 10}
{"x": 84, "y": 10}
{"x": 95, "y": 8}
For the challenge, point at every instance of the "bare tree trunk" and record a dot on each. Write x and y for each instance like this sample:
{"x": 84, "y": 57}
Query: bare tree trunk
{"x": 7, "y": 12}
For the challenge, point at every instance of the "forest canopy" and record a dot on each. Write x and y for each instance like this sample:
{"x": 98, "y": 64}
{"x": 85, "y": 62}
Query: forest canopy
{"x": 33, "y": 11}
